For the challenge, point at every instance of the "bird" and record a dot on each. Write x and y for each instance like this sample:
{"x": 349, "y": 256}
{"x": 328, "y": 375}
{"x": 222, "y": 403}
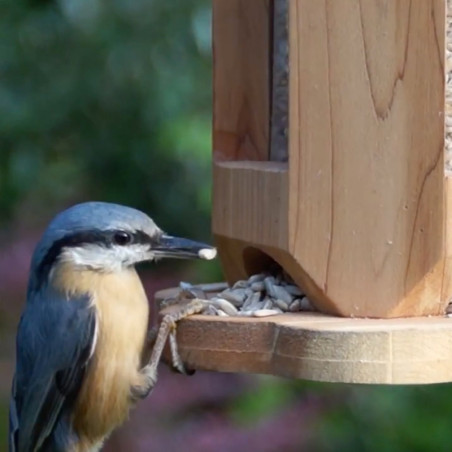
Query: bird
{"x": 82, "y": 335}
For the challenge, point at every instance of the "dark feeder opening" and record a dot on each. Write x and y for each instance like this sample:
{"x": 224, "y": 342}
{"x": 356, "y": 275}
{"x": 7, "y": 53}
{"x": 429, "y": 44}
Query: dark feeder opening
{"x": 256, "y": 261}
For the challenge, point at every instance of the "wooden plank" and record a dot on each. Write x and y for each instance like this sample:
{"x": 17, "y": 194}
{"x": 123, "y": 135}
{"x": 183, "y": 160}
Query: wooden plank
{"x": 249, "y": 213}
{"x": 249, "y": 201}
{"x": 318, "y": 347}
{"x": 241, "y": 79}
{"x": 446, "y": 290}
{"x": 366, "y": 153}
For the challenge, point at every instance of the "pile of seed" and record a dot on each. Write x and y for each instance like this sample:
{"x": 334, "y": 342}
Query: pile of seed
{"x": 448, "y": 111}
{"x": 260, "y": 296}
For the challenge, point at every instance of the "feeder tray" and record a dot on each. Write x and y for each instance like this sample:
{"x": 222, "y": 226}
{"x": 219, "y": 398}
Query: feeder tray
{"x": 328, "y": 159}
{"x": 318, "y": 347}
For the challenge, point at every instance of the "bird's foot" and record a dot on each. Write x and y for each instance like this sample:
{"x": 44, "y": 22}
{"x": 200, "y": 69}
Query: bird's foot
{"x": 166, "y": 331}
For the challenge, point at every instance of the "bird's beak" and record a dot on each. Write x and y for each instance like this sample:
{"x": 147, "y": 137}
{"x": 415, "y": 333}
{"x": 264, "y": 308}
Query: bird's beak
{"x": 176, "y": 247}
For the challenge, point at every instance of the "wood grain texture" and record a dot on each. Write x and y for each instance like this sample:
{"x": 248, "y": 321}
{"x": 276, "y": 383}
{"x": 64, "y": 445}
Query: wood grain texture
{"x": 241, "y": 79}
{"x": 446, "y": 291}
{"x": 250, "y": 202}
{"x": 319, "y": 347}
{"x": 366, "y": 153}
{"x": 358, "y": 218}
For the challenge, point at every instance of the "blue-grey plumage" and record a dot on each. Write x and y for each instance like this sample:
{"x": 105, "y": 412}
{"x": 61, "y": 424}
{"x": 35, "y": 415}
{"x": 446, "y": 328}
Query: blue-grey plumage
{"x": 81, "y": 337}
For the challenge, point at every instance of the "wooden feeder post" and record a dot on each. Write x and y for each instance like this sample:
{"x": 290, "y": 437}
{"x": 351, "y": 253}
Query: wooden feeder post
{"x": 328, "y": 148}
{"x": 337, "y": 175}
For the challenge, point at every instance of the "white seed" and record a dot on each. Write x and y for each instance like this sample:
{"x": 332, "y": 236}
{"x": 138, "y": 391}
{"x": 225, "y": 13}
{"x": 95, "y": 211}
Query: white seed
{"x": 281, "y": 304}
{"x": 224, "y": 305}
{"x": 258, "y": 286}
{"x": 235, "y": 297}
{"x": 295, "y": 305}
{"x": 269, "y": 283}
{"x": 189, "y": 291}
{"x": 267, "y": 303}
{"x": 245, "y": 298}
{"x": 306, "y": 305}
{"x": 280, "y": 293}
{"x": 241, "y": 284}
{"x": 256, "y": 278}
{"x": 245, "y": 313}
{"x": 185, "y": 285}
{"x": 240, "y": 293}
{"x": 265, "y": 312}
{"x": 293, "y": 290}
{"x": 221, "y": 313}
{"x": 252, "y": 302}
{"x": 212, "y": 287}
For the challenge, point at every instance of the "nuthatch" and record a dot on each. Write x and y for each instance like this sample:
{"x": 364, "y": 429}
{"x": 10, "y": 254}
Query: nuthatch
{"x": 82, "y": 336}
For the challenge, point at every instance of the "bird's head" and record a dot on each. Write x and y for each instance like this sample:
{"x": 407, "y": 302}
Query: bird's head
{"x": 106, "y": 237}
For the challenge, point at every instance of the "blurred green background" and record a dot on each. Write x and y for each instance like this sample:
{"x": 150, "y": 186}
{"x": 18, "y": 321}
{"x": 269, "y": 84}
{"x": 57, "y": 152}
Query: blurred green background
{"x": 111, "y": 100}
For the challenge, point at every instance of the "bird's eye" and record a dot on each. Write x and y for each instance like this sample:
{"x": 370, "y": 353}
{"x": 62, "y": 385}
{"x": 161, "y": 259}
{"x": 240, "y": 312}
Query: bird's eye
{"x": 122, "y": 238}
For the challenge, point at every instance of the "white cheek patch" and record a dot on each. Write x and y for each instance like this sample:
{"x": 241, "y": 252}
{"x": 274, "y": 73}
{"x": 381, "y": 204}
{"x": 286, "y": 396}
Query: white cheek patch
{"x": 108, "y": 259}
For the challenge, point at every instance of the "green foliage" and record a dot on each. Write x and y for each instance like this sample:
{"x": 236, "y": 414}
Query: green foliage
{"x": 365, "y": 418}
{"x": 270, "y": 395}
{"x": 106, "y": 100}
{"x": 384, "y": 419}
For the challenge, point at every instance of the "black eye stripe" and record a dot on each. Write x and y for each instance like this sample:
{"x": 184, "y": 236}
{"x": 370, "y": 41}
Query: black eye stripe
{"x": 142, "y": 238}
{"x": 103, "y": 238}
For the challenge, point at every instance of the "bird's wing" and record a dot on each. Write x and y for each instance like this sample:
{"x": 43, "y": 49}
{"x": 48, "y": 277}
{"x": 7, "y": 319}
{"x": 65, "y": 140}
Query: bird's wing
{"x": 55, "y": 341}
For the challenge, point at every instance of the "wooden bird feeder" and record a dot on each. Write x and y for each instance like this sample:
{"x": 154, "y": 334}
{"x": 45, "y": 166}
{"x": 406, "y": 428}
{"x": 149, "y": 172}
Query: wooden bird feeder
{"x": 328, "y": 158}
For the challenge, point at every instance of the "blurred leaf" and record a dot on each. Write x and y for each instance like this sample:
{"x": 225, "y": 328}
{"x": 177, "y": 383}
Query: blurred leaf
{"x": 107, "y": 102}
{"x": 270, "y": 395}
{"x": 385, "y": 418}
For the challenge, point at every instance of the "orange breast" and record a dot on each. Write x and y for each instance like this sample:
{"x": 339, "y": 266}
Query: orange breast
{"x": 122, "y": 315}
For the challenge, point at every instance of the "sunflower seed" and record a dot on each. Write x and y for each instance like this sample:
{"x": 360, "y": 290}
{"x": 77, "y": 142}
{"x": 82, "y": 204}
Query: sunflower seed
{"x": 224, "y": 305}
{"x": 280, "y": 293}
{"x": 261, "y": 295}
{"x": 256, "y": 278}
{"x": 265, "y": 312}
{"x": 306, "y": 305}
{"x": 212, "y": 287}
{"x": 236, "y": 297}
{"x": 258, "y": 286}
{"x": 281, "y": 304}
{"x": 252, "y": 302}
{"x": 190, "y": 291}
{"x": 221, "y": 313}
{"x": 241, "y": 284}
{"x": 270, "y": 283}
{"x": 248, "y": 292}
{"x": 245, "y": 313}
{"x": 293, "y": 290}
{"x": 267, "y": 303}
